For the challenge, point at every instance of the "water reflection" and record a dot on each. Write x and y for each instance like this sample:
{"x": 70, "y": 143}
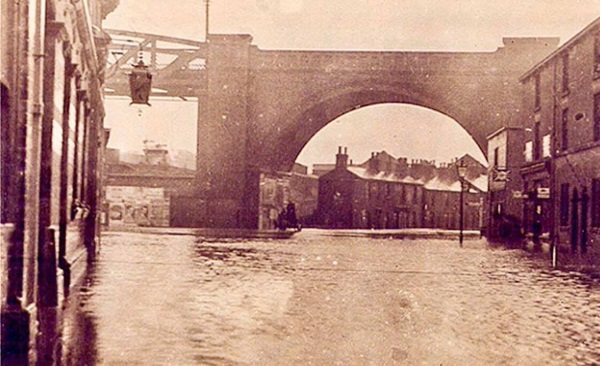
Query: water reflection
{"x": 79, "y": 334}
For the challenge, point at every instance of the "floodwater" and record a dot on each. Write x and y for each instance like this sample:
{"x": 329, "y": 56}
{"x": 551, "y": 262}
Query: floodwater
{"x": 317, "y": 299}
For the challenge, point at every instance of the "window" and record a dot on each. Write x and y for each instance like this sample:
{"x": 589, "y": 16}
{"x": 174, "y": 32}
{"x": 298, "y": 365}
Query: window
{"x": 536, "y": 141}
{"x": 565, "y": 73}
{"x": 496, "y": 156}
{"x": 597, "y": 117}
{"x": 537, "y": 91}
{"x": 546, "y": 146}
{"x": 595, "y": 202}
{"x": 528, "y": 151}
{"x": 565, "y": 129}
{"x": 564, "y": 204}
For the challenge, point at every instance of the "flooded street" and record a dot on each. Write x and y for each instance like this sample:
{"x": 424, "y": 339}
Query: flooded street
{"x": 316, "y": 299}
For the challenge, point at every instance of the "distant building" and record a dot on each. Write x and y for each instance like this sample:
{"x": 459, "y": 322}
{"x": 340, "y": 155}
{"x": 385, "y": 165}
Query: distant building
{"x": 183, "y": 159}
{"x": 274, "y": 194}
{"x": 561, "y": 171}
{"x": 277, "y": 189}
{"x": 504, "y": 209}
{"x": 367, "y": 197}
{"x": 304, "y": 192}
{"x": 321, "y": 169}
{"x": 155, "y": 154}
{"x": 442, "y": 196}
{"x": 152, "y": 193}
{"x": 389, "y": 193}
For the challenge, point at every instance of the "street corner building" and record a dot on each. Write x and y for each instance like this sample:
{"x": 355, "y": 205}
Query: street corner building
{"x": 545, "y": 166}
{"x": 53, "y": 57}
{"x": 562, "y": 154}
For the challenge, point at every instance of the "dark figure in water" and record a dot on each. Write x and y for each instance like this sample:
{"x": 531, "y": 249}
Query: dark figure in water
{"x": 287, "y": 218}
{"x": 292, "y": 220}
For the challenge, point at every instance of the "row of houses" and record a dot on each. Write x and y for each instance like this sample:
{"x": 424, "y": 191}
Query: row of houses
{"x": 545, "y": 166}
{"x": 389, "y": 193}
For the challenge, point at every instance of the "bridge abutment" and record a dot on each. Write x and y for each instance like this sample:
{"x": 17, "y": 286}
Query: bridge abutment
{"x": 224, "y": 180}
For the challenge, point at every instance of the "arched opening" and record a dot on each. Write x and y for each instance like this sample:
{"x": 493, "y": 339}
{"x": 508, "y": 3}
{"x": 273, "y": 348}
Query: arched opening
{"x": 297, "y": 126}
{"x": 402, "y": 130}
{"x": 402, "y": 160}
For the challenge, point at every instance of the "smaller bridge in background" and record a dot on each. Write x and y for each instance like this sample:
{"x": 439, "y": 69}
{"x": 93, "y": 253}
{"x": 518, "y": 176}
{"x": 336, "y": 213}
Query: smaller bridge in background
{"x": 178, "y": 65}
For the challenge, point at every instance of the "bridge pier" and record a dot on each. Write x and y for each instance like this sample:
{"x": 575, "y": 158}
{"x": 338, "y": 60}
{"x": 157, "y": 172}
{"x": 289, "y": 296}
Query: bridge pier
{"x": 226, "y": 182}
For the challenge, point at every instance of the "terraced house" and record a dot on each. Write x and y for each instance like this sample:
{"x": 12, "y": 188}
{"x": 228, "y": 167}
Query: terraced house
{"x": 389, "y": 193}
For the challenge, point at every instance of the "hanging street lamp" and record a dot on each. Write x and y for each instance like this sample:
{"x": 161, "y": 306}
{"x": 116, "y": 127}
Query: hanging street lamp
{"x": 140, "y": 83}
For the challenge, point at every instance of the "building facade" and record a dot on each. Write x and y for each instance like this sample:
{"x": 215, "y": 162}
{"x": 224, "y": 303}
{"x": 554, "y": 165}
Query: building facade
{"x": 278, "y": 189}
{"x": 443, "y": 189}
{"x": 365, "y": 197}
{"x": 561, "y": 174}
{"x": 53, "y": 55}
{"x": 151, "y": 193}
{"x": 504, "y": 204}
{"x": 389, "y": 193}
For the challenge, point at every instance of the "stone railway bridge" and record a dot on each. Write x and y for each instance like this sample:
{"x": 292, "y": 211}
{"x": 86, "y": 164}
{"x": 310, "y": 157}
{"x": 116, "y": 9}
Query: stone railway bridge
{"x": 258, "y": 108}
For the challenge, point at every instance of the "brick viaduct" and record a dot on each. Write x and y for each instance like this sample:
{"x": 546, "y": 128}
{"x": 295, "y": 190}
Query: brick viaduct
{"x": 257, "y": 108}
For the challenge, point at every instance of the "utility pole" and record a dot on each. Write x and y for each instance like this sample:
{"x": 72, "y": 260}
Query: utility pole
{"x": 207, "y": 13}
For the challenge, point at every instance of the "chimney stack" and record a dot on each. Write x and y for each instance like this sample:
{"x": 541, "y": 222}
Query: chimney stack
{"x": 341, "y": 159}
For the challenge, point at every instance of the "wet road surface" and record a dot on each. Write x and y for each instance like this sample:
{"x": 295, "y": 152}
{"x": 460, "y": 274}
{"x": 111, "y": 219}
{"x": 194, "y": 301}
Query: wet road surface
{"x": 316, "y": 299}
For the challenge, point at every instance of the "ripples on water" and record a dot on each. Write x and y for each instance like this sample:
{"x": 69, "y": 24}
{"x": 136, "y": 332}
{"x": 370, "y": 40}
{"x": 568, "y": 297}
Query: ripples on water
{"x": 317, "y": 299}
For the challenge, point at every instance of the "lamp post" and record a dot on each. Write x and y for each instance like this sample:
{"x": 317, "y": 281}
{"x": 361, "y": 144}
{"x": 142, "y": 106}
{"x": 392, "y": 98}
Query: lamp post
{"x": 462, "y": 172}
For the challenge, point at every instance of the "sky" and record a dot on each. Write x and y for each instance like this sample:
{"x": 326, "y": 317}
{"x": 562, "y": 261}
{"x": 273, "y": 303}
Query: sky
{"x": 404, "y": 25}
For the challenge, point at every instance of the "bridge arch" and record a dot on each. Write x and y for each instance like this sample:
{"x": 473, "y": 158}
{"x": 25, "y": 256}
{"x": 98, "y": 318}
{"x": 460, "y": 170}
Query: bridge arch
{"x": 281, "y": 152}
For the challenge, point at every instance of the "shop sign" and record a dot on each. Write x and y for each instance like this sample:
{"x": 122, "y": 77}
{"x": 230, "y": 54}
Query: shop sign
{"x": 543, "y": 193}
